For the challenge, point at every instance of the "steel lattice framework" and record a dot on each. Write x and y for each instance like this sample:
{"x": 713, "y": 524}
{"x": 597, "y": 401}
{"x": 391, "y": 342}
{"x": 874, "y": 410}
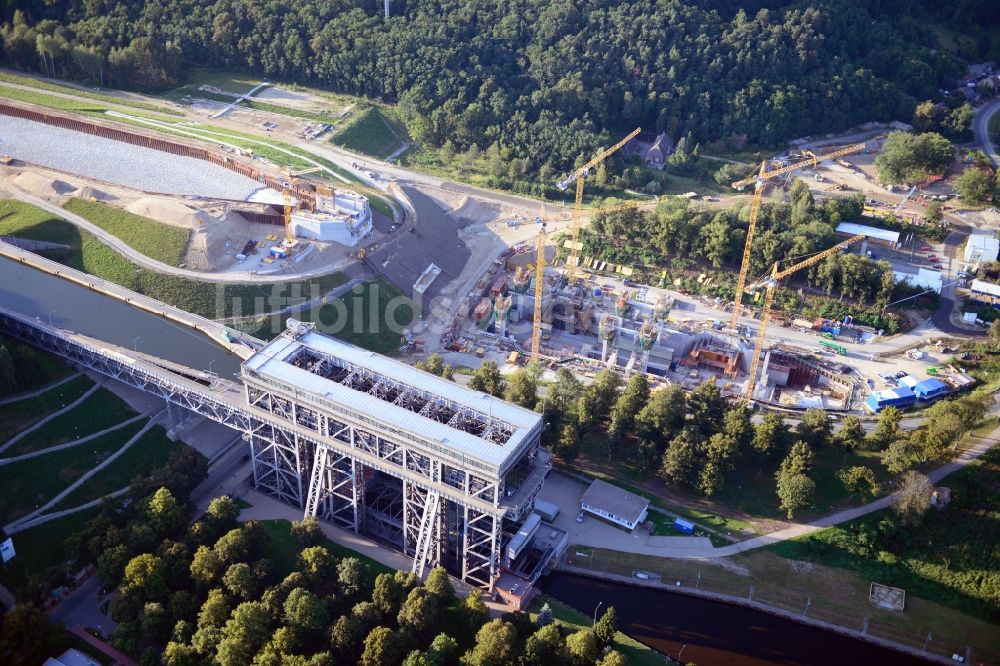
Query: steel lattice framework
{"x": 316, "y": 462}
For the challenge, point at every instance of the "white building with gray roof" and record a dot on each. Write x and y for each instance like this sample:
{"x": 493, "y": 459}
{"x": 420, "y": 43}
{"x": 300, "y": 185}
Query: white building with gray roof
{"x": 615, "y": 504}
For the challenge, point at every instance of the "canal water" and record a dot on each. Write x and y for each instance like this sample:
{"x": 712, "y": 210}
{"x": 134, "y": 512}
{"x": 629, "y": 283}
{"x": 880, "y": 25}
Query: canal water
{"x": 68, "y": 305}
{"x": 713, "y": 633}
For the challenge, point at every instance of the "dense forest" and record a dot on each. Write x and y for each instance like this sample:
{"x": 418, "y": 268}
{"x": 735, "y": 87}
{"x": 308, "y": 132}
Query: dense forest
{"x": 545, "y": 82}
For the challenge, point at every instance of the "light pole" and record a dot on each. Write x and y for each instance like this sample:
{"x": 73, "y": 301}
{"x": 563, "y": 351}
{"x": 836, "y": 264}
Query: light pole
{"x": 136, "y": 342}
{"x": 595, "y": 612}
{"x": 50, "y": 318}
{"x": 680, "y": 653}
{"x": 210, "y": 366}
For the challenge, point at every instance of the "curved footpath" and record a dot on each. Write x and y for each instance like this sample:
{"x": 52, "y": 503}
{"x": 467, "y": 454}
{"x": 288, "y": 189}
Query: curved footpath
{"x": 158, "y": 266}
{"x": 674, "y": 548}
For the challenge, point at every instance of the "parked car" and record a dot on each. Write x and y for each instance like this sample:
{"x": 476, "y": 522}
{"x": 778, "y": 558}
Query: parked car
{"x": 579, "y": 517}
{"x": 926, "y": 248}
{"x": 937, "y": 266}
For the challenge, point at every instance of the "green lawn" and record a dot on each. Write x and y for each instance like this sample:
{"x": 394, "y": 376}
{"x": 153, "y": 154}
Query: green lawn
{"x": 17, "y": 416}
{"x": 42, "y": 546}
{"x": 751, "y": 487}
{"x": 33, "y": 369}
{"x": 635, "y": 652}
{"x": 951, "y": 558}
{"x": 376, "y": 325}
{"x": 152, "y": 451}
{"x": 284, "y": 551}
{"x": 369, "y": 134}
{"x": 27, "y": 484}
{"x": 156, "y": 240}
{"x": 232, "y": 82}
{"x": 103, "y": 409}
{"x": 90, "y": 255}
{"x": 834, "y": 595}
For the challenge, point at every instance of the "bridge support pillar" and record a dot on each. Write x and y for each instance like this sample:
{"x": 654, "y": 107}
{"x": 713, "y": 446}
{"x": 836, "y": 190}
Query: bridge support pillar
{"x": 278, "y": 464}
{"x": 335, "y": 489}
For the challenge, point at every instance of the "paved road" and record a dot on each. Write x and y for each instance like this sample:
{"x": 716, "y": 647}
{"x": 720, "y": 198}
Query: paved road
{"x": 981, "y": 129}
{"x": 942, "y": 316}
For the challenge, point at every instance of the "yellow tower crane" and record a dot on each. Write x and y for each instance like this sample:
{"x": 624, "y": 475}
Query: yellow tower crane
{"x": 759, "y": 181}
{"x": 578, "y": 176}
{"x": 286, "y": 198}
{"x": 770, "y": 283}
{"x": 536, "y": 330}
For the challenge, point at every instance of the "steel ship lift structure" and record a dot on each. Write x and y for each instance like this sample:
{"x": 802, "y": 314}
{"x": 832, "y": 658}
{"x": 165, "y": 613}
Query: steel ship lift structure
{"x": 327, "y": 421}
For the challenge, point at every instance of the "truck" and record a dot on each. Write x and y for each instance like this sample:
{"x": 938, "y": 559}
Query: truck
{"x": 833, "y": 346}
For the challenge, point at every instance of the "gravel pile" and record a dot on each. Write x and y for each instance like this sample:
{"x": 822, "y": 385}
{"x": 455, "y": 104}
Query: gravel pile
{"x": 132, "y": 166}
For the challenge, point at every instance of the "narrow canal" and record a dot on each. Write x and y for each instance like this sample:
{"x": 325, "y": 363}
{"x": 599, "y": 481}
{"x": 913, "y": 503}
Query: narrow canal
{"x": 712, "y": 633}
{"x": 68, "y": 305}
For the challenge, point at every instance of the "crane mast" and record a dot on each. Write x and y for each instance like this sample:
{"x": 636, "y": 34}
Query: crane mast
{"x": 536, "y": 329}
{"x": 770, "y": 284}
{"x": 759, "y": 181}
{"x": 574, "y": 251}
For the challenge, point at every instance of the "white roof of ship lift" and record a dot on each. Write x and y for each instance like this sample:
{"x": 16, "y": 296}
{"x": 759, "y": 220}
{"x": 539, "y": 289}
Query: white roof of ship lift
{"x": 853, "y": 229}
{"x": 270, "y": 361}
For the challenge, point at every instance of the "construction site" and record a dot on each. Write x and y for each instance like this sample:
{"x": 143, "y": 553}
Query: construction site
{"x": 586, "y": 314}
{"x": 245, "y": 214}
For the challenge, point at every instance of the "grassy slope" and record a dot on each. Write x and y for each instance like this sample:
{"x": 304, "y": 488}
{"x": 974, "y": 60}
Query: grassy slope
{"x": 834, "y": 595}
{"x": 951, "y": 558}
{"x": 42, "y": 546}
{"x": 246, "y": 141}
{"x": 635, "y": 652}
{"x": 33, "y": 369}
{"x": 150, "y": 452}
{"x": 90, "y": 255}
{"x": 369, "y": 134}
{"x": 7, "y": 77}
{"x": 156, "y": 240}
{"x": 17, "y": 416}
{"x": 101, "y": 410}
{"x": 30, "y": 483}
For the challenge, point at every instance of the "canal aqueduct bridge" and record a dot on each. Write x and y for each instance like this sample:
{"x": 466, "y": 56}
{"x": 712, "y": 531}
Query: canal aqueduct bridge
{"x": 370, "y": 444}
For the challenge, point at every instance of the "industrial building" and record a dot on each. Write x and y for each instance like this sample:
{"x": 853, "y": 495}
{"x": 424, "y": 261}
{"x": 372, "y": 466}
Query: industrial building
{"x": 873, "y": 234}
{"x": 900, "y": 397}
{"x": 981, "y": 248}
{"x": 340, "y": 216}
{"x": 445, "y": 474}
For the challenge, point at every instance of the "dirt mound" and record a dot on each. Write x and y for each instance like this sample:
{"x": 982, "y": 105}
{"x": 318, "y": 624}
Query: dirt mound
{"x": 89, "y": 193}
{"x": 167, "y": 211}
{"x": 42, "y": 186}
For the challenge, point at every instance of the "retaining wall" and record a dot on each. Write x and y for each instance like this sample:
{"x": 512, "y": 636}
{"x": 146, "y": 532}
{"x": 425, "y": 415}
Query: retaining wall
{"x": 156, "y": 143}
